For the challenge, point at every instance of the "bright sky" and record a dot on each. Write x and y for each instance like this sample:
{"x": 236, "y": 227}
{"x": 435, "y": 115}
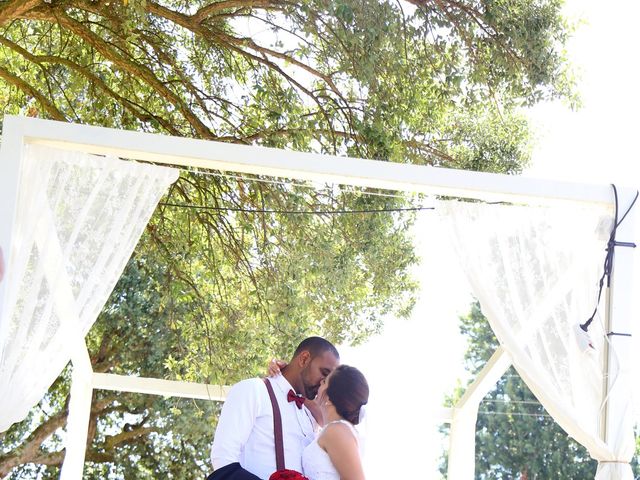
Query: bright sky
{"x": 414, "y": 364}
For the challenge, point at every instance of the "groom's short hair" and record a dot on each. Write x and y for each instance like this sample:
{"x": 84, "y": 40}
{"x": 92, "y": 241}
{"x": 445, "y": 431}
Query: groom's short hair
{"x": 316, "y": 346}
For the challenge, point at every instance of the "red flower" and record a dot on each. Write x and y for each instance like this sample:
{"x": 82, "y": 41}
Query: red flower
{"x": 287, "y": 475}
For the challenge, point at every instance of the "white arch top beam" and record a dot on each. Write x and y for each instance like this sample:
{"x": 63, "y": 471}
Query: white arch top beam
{"x": 298, "y": 165}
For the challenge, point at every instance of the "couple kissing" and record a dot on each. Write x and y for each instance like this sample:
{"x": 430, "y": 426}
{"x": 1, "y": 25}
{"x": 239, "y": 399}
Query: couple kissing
{"x": 296, "y": 424}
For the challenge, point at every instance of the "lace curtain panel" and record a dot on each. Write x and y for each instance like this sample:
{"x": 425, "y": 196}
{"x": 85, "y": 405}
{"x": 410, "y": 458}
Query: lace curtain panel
{"x": 535, "y": 271}
{"x": 79, "y": 217}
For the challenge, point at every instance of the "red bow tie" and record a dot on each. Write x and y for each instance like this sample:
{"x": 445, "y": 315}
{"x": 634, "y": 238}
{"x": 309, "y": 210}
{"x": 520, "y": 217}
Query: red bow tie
{"x": 294, "y": 397}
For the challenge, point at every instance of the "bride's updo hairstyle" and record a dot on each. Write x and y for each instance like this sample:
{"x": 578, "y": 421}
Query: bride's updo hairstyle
{"x": 348, "y": 390}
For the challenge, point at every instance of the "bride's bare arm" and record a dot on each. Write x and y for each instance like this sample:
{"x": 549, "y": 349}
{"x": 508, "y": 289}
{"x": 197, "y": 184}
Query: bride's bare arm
{"x": 342, "y": 446}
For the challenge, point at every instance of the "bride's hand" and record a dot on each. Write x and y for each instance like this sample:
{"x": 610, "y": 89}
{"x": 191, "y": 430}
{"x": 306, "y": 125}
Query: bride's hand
{"x": 315, "y": 408}
{"x": 275, "y": 366}
{"x": 321, "y": 397}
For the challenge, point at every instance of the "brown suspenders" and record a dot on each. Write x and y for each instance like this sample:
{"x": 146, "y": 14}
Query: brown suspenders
{"x": 277, "y": 427}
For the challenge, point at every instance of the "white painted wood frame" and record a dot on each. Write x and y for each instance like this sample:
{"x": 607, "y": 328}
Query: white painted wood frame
{"x": 156, "y": 386}
{"x": 619, "y": 322}
{"x": 462, "y": 436}
{"x": 80, "y": 398}
{"x": 18, "y": 131}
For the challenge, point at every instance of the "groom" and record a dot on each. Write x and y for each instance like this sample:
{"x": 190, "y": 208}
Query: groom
{"x": 243, "y": 445}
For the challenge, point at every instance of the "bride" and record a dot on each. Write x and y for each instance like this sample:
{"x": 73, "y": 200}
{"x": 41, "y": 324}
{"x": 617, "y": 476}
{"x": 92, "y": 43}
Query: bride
{"x": 334, "y": 454}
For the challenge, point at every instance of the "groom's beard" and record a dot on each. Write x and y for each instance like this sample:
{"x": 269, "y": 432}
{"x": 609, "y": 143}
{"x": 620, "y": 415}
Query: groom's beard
{"x": 311, "y": 391}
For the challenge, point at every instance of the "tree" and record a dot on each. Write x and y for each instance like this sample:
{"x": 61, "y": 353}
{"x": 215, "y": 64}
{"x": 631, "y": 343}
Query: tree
{"x": 515, "y": 437}
{"x": 427, "y": 81}
{"x": 223, "y": 279}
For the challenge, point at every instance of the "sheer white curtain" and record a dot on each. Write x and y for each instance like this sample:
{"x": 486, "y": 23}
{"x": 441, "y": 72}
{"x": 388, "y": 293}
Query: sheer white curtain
{"x": 78, "y": 220}
{"x": 535, "y": 272}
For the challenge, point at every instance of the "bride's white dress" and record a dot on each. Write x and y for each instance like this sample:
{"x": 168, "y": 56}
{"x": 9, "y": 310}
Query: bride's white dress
{"x": 316, "y": 463}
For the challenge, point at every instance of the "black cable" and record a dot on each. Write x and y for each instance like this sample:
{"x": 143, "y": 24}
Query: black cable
{"x": 608, "y": 259}
{"x": 293, "y": 212}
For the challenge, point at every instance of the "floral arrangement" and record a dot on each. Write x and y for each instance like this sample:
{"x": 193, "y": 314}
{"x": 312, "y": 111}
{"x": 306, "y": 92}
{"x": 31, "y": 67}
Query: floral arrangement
{"x": 287, "y": 475}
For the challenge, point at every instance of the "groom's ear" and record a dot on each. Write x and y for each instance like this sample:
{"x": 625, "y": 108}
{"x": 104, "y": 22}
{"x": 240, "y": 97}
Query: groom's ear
{"x": 304, "y": 358}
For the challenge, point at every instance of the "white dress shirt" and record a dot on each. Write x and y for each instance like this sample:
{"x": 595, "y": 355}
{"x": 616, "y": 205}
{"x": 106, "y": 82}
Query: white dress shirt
{"x": 245, "y": 428}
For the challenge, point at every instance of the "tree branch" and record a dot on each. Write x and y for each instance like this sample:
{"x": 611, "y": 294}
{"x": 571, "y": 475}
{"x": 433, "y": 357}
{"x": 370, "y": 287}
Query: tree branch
{"x": 126, "y": 436}
{"x": 29, "y": 449}
{"x": 137, "y": 110}
{"x": 217, "y": 7}
{"x": 49, "y": 107}
{"x": 17, "y": 8}
{"x": 136, "y": 69}
{"x": 236, "y": 44}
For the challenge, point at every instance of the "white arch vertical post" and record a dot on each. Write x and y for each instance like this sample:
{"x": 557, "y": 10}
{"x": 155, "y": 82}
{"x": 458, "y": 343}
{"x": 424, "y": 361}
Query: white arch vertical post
{"x": 79, "y": 413}
{"x": 461, "y": 461}
{"x": 617, "y": 420}
{"x": 11, "y": 154}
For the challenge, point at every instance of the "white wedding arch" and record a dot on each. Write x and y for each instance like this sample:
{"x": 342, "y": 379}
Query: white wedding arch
{"x": 72, "y": 210}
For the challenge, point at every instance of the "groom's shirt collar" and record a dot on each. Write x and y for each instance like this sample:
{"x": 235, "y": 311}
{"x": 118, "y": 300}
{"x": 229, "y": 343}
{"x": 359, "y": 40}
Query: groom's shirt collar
{"x": 282, "y": 383}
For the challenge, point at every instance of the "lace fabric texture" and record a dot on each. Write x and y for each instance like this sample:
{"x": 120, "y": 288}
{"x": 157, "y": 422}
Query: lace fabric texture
{"x": 535, "y": 271}
{"x": 79, "y": 217}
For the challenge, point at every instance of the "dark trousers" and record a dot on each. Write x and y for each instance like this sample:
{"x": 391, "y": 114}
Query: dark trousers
{"x": 233, "y": 471}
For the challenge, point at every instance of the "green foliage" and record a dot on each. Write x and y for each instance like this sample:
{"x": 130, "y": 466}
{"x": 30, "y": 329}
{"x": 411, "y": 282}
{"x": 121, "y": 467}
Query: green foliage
{"x": 515, "y": 437}
{"x": 375, "y": 79}
{"x": 211, "y": 293}
{"x": 278, "y": 278}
